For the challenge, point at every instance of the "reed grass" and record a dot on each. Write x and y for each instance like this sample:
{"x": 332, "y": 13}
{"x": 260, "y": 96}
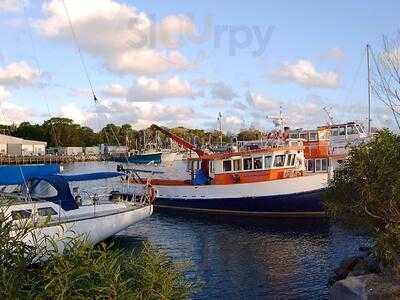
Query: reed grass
{"x": 84, "y": 271}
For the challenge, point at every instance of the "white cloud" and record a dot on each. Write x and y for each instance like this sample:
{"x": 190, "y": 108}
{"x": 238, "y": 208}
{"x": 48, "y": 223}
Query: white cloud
{"x": 114, "y": 91}
{"x": 262, "y": 103}
{"x": 334, "y": 53}
{"x": 11, "y": 113}
{"x": 4, "y": 94}
{"x": 304, "y": 73}
{"x": 124, "y": 38}
{"x": 12, "y": 5}
{"x": 72, "y": 111}
{"x": 150, "y": 89}
{"x": 18, "y": 74}
{"x": 218, "y": 90}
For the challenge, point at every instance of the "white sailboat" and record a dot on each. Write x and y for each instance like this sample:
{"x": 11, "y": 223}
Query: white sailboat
{"x": 41, "y": 197}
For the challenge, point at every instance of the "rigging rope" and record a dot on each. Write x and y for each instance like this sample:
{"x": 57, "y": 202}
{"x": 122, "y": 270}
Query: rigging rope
{"x": 80, "y": 52}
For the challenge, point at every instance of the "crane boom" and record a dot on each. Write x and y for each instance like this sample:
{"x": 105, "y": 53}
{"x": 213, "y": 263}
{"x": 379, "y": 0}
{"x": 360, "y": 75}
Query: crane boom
{"x": 178, "y": 140}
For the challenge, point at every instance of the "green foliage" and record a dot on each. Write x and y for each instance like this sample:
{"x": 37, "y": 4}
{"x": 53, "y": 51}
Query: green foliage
{"x": 365, "y": 192}
{"x": 83, "y": 271}
{"x": 249, "y": 135}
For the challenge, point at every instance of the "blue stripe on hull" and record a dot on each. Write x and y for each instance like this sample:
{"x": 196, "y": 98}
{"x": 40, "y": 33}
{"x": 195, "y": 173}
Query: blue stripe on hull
{"x": 307, "y": 203}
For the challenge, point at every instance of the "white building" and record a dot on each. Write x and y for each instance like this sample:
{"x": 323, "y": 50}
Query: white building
{"x": 10, "y": 145}
{"x": 95, "y": 150}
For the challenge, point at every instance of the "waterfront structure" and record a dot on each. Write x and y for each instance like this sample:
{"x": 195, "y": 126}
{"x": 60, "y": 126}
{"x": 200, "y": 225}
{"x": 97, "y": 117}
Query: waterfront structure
{"x": 10, "y": 145}
{"x": 55, "y": 210}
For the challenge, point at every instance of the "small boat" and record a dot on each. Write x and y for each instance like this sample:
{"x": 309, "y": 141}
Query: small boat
{"x": 269, "y": 181}
{"x": 42, "y": 197}
{"x": 139, "y": 157}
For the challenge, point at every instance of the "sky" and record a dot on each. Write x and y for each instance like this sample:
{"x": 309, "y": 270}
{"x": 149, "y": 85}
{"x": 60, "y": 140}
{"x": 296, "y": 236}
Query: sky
{"x": 181, "y": 63}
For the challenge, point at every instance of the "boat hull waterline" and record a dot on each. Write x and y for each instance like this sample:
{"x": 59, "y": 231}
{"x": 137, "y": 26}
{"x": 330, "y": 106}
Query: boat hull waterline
{"x": 95, "y": 228}
{"x": 292, "y": 197}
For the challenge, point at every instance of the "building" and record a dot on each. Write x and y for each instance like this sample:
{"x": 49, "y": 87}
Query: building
{"x": 95, "y": 150}
{"x": 65, "y": 150}
{"x": 111, "y": 150}
{"x": 10, "y": 145}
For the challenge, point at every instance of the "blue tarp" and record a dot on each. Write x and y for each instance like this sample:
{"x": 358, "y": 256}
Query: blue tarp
{"x": 200, "y": 178}
{"x": 19, "y": 174}
{"x": 92, "y": 176}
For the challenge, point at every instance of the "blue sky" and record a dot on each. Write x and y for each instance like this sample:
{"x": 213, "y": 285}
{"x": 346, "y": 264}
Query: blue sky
{"x": 313, "y": 57}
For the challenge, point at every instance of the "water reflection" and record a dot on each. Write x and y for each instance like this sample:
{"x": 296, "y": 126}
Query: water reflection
{"x": 241, "y": 258}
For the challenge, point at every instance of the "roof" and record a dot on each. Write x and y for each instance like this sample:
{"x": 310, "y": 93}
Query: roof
{"x": 7, "y": 139}
{"x": 225, "y": 155}
{"x": 19, "y": 174}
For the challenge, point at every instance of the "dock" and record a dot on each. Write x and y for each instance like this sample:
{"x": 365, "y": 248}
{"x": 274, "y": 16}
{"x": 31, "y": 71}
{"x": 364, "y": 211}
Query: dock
{"x": 47, "y": 159}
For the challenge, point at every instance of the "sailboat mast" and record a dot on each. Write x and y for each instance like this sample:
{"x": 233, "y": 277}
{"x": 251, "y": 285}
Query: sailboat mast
{"x": 369, "y": 89}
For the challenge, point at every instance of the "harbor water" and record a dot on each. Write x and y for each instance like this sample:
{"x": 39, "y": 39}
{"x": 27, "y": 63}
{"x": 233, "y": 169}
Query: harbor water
{"x": 243, "y": 258}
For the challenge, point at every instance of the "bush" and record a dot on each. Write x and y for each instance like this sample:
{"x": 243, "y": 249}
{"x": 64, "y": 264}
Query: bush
{"x": 85, "y": 272}
{"x": 365, "y": 192}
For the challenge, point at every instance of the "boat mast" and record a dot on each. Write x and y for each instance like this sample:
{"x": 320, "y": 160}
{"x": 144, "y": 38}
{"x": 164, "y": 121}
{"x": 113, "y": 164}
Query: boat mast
{"x": 369, "y": 89}
{"x": 220, "y": 127}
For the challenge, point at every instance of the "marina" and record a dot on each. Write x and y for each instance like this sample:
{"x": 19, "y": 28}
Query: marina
{"x": 199, "y": 150}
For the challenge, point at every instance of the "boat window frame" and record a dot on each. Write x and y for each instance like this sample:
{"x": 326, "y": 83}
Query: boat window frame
{"x": 240, "y": 164}
{"x": 223, "y": 165}
{"x": 313, "y": 136}
{"x": 283, "y": 162}
{"x": 260, "y": 158}
{"x": 353, "y": 126}
{"x": 26, "y": 214}
{"x": 342, "y": 130}
{"x": 271, "y": 157}
{"x": 50, "y": 211}
{"x": 250, "y": 158}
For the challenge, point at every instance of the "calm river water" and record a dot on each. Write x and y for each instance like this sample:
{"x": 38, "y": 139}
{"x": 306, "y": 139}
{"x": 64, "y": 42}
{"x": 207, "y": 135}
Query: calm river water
{"x": 242, "y": 258}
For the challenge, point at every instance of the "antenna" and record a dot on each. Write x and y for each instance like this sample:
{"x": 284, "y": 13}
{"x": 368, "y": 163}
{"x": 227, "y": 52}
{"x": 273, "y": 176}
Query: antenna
{"x": 369, "y": 90}
{"x": 278, "y": 121}
{"x": 220, "y": 126}
{"x": 329, "y": 115}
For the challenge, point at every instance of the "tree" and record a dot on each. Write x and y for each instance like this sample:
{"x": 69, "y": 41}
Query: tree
{"x": 249, "y": 135}
{"x": 386, "y": 77}
{"x": 365, "y": 192}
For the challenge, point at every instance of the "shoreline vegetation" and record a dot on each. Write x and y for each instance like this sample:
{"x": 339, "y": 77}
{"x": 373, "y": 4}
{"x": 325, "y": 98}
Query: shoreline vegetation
{"x": 365, "y": 195}
{"x": 64, "y": 132}
{"x": 84, "y": 271}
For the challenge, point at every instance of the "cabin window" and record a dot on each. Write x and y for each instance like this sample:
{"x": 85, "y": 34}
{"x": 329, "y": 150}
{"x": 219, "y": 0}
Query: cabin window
{"x": 258, "y": 163}
{"x": 360, "y": 128}
{"x": 351, "y": 129}
{"x": 267, "y": 162}
{"x": 304, "y": 135}
{"x": 21, "y": 214}
{"x": 313, "y": 136}
{"x": 237, "y": 164}
{"x": 227, "y": 165}
{"x": 43, "y": 189}
{"x": 324, "y": 164}
{"x": 310, "y": 165}
{"x": 294, "y": 135}
{"x": 290, "y": 160}
{"x": 279, "y": 160}
{"x": 317, "y": 165}
{"x": 46, "y": 211}
{"x": 247, "y": 163}
{"x": 335, "y": 131}
{"x": 211, "y": 166}
{"x": 342, "y": 130}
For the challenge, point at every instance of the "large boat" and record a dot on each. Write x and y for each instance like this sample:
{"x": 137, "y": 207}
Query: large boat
{"x": 270, "y": 181}
{"x": 42, "y": 198}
